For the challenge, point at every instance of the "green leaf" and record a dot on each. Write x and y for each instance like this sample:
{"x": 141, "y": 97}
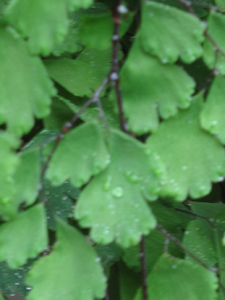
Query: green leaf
{"x": 59, "y": 201}
{"x": 146, "y": 93}
{"x": 195, "y": 282}
{"x": 31, "y": 240}
{"x": 8, "y": 163}
{"x": 113, "y": 203}
{"x": 212, "y": 117}
{"x": 71, "y": 43}
{"x": 81, "y": 154}
{"x": 192, "y": 157}
{"x": 24, "y": 96}
{"x": 213, "y": 59}
{"x": 199, "y": 240}
{"x": 96, "y": 30}
{"x": 170, "y": 33}
{"x": 82, "y": 75}
{"x": 42, "y": 36}
{"x": 27, "y": 177}
{"x": 71, "y": 271}
{"x": 109, "y": 254}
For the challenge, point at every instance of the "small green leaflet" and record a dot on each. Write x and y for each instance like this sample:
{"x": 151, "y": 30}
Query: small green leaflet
{"x": 170, "y": 33}
{"x": 8, "y": 164}
{"x": 29, "y": 93}
{"x": 81, "y": 154}
{"x": 179, "y": 279}
{"x": 150, "y": 88}
{"x": 25, "y": 16}
{"x": 80, "y": 76}
{"x": 212, "y": 116}
{"x": 17, "y": 248}
{"x": 71, "y": 271}
{"x": 113, "y": 203}
{"x": 192, "y": 157}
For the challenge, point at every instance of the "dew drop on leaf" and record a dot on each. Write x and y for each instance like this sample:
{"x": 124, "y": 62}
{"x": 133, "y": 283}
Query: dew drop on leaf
{"x": 117, "y": 192}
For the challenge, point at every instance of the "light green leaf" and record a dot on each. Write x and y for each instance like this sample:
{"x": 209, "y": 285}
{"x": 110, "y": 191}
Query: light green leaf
{"x": 81, "y": 154}
{"x": 199, "y": 240}
{"x": 113, "y": 203}
{"x": 8, "y": 163}
{"x": 23, "y": 237}
{"x": 71, "y": 271}
{"x": 24, "y": 92}
{"x": 170, "y": 33}
{"x": 77, "y": 4}
{"x": 192, "y": 157}
{"x": 1, "y": 296}
{"x": 25, "y": 16}
{"x": 220, "y": 3}
{"x": 212, "y": 117}
{"x": 82, "y": 75}
{"x": 149, "y": 87}
{"x": 180, "y": 279}
{"x": 216, "y": 26}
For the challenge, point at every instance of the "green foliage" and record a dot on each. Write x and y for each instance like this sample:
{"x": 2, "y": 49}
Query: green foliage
{"x": 112, "y": 159}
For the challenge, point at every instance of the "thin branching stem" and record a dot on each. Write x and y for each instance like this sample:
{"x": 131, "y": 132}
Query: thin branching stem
{"x": 181, "y": 246}
{"x": 114, "y": 76}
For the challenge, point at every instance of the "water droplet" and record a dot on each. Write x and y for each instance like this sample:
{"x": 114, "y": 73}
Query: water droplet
{"x": 28, "y": 288}
{"x": 184, "y": 167}
{"x": 117, "y": 192}
{"x": 98, "y": 259}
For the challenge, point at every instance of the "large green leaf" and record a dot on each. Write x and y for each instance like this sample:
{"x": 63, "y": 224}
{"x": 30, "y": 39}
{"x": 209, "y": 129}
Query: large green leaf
{"x": 23, "y": 237}
{"x": 8, "y": 163}
{"x": 81, "y": 154}
{"x": 113, "y": 202}
{"x": 170, "y": 33}
{"x": 192, "y": 157}
{"x": 71, "y": 271}
{"x": 212, "y": 116}
{"x": 25, "y": 16}
{"x": 149, "y": 87}
{"x": 25, "y": 91}
{"x": 82, "y": 75}
{"x": 175, "y": 279}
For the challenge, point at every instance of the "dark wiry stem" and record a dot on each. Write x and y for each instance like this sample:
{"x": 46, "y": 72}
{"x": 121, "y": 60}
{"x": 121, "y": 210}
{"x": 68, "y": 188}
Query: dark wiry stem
{"x": 181, "y": 246}
{"x": 114, "y": 76}
{"x": 68, "y": 126}
{"x": 143, "y": 269}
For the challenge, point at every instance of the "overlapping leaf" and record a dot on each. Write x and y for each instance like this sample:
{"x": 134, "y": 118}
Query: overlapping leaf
{"x": 8, "y": 164}
{"x": 212, "y": 116}
{"x": 82, "y": 75}
{"x": 195, "y": 281}
{"x": 148, "y": 87}
{"x": 25, "y": 16}
{"x": 192, "y": 157}
{"x": 112, "y": 204}
{"x": 71, "y": 271}
{"x": 23, "y": 237}
{"x": 212, "y": 57}
{"x": 170, "y": 33}
{"x": 25, "y": 91}
{"x": 81, "y": 154}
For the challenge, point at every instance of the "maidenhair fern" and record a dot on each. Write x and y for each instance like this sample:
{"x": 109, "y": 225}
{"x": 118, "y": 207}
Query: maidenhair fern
{"x": 112, "y": 159}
